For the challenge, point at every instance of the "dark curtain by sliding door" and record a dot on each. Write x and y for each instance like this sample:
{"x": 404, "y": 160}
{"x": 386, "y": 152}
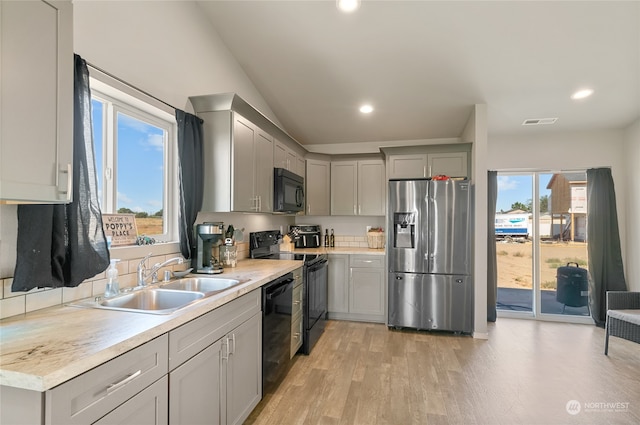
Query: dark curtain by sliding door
{"x": 492, "y": 265}
{"x": 605, "y": 257}
{"x": 190, "y": 151}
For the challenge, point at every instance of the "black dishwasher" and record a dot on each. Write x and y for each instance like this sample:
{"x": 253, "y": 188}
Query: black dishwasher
{"x": 276, "y": 331}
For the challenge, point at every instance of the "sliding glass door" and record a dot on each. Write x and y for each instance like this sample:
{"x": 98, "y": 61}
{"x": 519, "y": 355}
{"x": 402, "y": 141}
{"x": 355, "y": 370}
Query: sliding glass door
{"x": 541, "y": 246}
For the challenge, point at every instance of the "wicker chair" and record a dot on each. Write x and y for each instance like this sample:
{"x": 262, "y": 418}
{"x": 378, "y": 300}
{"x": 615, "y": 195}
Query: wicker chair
{"x": 623, "y": 316}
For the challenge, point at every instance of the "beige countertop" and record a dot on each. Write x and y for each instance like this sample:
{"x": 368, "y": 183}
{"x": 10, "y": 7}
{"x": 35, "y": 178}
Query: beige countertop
{"x": 45, "y": 348}
{"x": 341, "y": 250}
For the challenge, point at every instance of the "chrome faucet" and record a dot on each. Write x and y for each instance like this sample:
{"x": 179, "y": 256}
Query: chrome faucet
{"x": 143, "y": 273}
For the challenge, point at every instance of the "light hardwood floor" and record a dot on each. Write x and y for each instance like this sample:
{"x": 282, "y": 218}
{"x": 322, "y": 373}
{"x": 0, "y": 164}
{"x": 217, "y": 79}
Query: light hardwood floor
{"x": 526, "y": 373}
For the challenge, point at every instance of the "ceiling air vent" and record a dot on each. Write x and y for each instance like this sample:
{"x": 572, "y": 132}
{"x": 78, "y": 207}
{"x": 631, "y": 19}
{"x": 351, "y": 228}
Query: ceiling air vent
{"x": 539, "y": 121}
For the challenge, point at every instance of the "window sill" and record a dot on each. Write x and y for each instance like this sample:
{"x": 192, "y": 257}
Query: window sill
{"x": 138, "y": 251}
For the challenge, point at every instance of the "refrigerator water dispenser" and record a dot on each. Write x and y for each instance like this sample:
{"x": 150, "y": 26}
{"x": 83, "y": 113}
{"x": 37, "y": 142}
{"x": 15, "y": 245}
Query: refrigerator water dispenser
{"x": 404, "y": 230}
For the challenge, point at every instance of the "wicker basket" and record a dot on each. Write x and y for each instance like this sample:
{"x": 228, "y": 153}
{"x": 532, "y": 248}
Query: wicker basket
{"x": 375, "y": 240}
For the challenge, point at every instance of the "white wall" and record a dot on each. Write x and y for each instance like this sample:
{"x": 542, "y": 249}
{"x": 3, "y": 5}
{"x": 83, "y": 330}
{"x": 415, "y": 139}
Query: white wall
{"x": 632, "y": 159}
{"x": 570, "y": 151}
{"x": 475, "y": 131}
{"x": 166, "y": 48}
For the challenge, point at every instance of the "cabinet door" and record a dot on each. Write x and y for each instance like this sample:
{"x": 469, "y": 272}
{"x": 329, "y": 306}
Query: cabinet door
{"x": 194, "y": 388}
{"x": 300, "y": 166}
{"x": 407, "y": 166}
{"x": 264, "y": 171}
{"x": 338, "y": 279}
{"x": 366, "y": 291}
{"x": 344, "y": 188}
{"x": 280, "y": 155}
{"x": 36, "y": 82}
{"x": 371, "y": 187}
{"x": 452, "y": 164}
{"x": 243, "y": 166}
{"x": 244, "y": 370}
{"x": 318, "y": 187}
{"x": 283, "y": 157}
{"x": 149, "y": 407}
{"x": 88, "y": 397}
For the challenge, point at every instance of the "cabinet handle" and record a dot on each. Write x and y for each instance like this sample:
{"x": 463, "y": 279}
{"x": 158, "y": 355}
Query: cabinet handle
{"x": 309, "y": 209}
{"x": 69, "y": 189}
{"x": 225, "y": 349}
{"x": 424, "y": 171}
{"x": 430, "y": 171}
{"x": 359, "y": 209}
{"x": 232, "y": 348}
{"x": 354, "y": 209}
{"x": 125, "y": 381}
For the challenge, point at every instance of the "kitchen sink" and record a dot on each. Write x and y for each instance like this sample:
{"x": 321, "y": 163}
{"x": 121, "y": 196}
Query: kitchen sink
{"x": 156, "y": 301}
{"x": 201, "y": 284}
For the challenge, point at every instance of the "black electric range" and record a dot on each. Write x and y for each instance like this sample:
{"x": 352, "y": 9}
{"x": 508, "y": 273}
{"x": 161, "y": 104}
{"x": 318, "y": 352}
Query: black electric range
{"x": 266, "y": 245}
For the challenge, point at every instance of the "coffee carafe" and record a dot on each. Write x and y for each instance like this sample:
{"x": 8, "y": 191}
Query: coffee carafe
{"x": 209, "y": 236}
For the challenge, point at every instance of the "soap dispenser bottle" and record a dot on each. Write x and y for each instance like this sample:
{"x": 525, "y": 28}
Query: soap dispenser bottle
{"x": 113, "y": 288}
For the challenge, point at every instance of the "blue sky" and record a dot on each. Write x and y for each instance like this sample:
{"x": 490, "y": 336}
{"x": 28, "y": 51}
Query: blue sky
{"x": 140, "y": 161}
{"x": 514, "y": 188}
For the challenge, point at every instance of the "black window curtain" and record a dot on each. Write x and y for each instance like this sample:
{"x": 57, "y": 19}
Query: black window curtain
{"x": 190, "y": 145}
{"x": 492, "y": 262}
{"x": 62, "y": 245}
{"x": 605, "y": 257}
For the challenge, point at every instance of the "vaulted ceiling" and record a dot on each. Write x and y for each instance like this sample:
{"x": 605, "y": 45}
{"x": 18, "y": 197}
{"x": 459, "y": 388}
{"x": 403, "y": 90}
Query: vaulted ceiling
{"x": 423, "y": 64}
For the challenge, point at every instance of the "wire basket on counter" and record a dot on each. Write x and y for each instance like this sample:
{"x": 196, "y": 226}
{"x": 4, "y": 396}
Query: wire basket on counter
{"x": 375, "y": 239}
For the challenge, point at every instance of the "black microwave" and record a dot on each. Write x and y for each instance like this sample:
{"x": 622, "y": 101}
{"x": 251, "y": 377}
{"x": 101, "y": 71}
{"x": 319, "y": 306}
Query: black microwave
{"x": 288, "y": 191}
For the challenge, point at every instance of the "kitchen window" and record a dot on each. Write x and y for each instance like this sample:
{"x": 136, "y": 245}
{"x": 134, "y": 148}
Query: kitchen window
{"x": 134, "y": 144}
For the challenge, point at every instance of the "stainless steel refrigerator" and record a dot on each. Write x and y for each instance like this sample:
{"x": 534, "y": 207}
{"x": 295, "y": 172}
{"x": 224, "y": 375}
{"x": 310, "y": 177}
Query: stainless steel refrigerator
{"x": 429, "y": 255}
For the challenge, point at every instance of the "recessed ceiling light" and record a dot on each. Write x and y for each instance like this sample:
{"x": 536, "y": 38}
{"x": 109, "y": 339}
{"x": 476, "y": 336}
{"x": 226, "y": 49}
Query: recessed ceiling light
{"x": 366, "y": 109}
{"x": 348, "y": 6}
{"x": 581, "y": 94}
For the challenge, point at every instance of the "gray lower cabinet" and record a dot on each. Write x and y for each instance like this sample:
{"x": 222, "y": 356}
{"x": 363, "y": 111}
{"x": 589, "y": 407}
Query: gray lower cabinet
{"x": 195, "y": 388}
{"x": 357, "y": 287}
{"x": 149, "y": 407}
{"x": 216, "y": 365}
{"x": 296, "y": 311}
{"x": 208, "y": 370}
{"x": 106, "y": 389}
{"x": 338, "y": 278}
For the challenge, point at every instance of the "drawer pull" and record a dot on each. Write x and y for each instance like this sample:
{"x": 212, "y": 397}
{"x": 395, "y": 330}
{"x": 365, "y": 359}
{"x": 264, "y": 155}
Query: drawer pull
{"x": 125, "y": 381}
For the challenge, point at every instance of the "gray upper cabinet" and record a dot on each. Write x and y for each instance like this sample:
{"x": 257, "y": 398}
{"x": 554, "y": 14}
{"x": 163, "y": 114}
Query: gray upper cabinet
{"x": 344, "y": 188}
{"x": 36, "y": 86}
{"x": 285, "y": 157}
{"x": 241, "y": 149}
{"x": 420, "y": 165}
{"x": 318, "y": 187}
{"x": 238, "y": 169}
{"x": 358, "y": 187}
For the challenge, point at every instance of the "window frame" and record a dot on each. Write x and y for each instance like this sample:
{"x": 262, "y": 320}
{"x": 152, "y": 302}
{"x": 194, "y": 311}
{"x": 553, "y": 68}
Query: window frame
{"x": 119, "y": 98}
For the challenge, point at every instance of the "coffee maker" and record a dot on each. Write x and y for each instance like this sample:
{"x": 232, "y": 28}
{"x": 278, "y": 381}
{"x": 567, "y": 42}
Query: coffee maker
{"x": 209, "y": 236}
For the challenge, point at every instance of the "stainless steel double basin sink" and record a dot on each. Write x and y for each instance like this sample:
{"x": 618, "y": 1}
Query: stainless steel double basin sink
{"x": 164, "y": 298}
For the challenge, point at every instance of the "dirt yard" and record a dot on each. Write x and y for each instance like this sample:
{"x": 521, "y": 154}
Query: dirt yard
{"x": 149, "y": 226}
{"x": 515, "y": 264}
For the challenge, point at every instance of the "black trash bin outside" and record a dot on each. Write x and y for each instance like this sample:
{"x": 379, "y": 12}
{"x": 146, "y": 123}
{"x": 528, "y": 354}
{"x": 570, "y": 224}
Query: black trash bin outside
{"x": 572, "y": 286}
